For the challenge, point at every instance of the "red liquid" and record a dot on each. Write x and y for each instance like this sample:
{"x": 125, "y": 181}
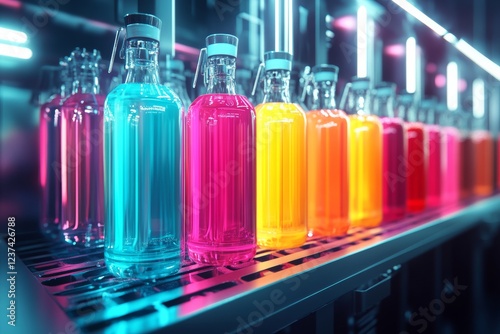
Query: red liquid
{"x": 415, "y": 168}
{"x": 394, "y": 173}
{"x": 434, "y": 167}
{"x": 450, "y": 181}
{"x": 219, "y": 212}
{"x": 498, "y": 163}
{"x": 467, "y": 170}
{"x": 82, "y": 169}
{"x": 50, "y": 156}
{"x": 483, "y": 160}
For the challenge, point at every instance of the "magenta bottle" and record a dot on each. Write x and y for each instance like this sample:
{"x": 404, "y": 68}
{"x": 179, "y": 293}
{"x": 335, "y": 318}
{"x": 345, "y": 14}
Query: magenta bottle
{"x": 450, "y": 177}
{"x": 433, "y": 131}
{"x": 50, "y": 156}
{"x": 219, "y": 201}
{"x": 394, "y": 153}
{"x": 82, "y": 182}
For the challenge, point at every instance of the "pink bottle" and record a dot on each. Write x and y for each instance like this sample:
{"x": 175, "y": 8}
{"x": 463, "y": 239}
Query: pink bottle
{"x": 82, "y": 170}
{"x": 394, "y": 153}
{"x": 433, "y": 131}
{"x": 450, "y": 169}
{"x": 219, "y": 203}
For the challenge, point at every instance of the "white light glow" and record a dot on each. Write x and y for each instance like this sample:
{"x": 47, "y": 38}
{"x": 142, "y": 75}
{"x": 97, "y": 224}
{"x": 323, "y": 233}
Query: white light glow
{"x": 450, "y": 38}
{"x": 452, "y": 86}
{"x": 362, "y": 42}
{"x": 419, "y": 15}
{"x": 478, "y": 98}
{"x": 290, "y": 26}
{"x": 411, "y": 65}
{"x": 477, "y": 57}
{"x": 15, "y": 51}
{"x": 13, "y": 36}
{"x": 277, "y": 25}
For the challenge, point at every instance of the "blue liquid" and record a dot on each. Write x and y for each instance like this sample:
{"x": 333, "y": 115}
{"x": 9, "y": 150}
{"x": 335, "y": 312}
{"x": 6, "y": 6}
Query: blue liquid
{"x": 142, "y": 177}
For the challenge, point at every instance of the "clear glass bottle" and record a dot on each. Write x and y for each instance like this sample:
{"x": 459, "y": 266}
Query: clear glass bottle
{"x": 142, "y": 162}
{"x": 327, "y": 158}
{"x": 433, "y": 133}
{"x": 219, "y": 207}
{"x": 416, "y": 162}
{"x": 50, "y": 155}
{"x": 281, "y": 160}
{"x": 82, "y": 179}
{"x": 365, "y": 157}
{"x": 394, "y": 153}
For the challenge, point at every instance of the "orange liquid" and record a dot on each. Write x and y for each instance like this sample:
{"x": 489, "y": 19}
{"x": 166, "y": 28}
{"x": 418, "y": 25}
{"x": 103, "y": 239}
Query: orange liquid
{"x": 365, "y": 177}
{"x": 483, "y": 163}
{"x": 327, "y": 181}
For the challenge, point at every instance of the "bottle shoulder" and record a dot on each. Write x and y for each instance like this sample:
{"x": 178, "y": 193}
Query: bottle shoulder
{"x": 83, "y": 100}
{"x": 282, "y": 107}
{"x": 221, "y": 102}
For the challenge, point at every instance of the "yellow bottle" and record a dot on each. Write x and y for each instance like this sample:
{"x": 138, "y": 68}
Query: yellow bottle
{"x": 365, "y": 159}
{"x": 281, "y": 161}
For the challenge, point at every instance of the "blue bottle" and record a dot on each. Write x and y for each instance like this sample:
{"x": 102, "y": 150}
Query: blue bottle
{"x": 142, "y": 159}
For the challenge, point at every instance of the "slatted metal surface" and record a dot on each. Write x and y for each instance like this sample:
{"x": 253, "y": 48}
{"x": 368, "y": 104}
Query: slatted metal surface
{"x": 77, "y": 278}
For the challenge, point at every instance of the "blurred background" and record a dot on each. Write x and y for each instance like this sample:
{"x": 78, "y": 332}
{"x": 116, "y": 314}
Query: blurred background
{"x": 316, "y": 31}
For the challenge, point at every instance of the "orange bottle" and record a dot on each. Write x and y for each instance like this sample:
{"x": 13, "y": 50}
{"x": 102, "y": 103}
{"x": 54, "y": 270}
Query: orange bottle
{"x": 365, "y": 158}
{"x": 483, "y": 162}
{"x": 327, "y": 158}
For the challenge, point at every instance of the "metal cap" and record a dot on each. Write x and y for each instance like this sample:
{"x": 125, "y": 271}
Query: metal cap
{"x": 278, "y": 60}
{"x": 142, "y": 25}
{"x": 360, "y": 83}
{"x": 385, "y": 89}
{"x": 222, "y": 44}
{"x": 325, "y": 72}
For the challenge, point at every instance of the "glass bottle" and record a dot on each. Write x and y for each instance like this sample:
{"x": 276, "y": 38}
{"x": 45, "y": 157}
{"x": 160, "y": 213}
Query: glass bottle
{"x": 82, "y": 190}
{"x": 365, "y": 157}
{"x": 483, "y": 158}
{"x": 327, "y": 158}
{"x": 220, "y": 179}
{"x": 281, "y": 160}
{"x": 467, "y": 156}
{"x": 142, "y": 162}
{"x": 450, "y": 186}
{"x": 416, "y": 162}
{"x": 50, "y": 155}
{"x": 394, "y": 153}
{"x": 433, "y": 132}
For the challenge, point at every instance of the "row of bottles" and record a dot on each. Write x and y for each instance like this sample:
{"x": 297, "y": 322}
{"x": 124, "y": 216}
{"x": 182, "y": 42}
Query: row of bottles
{"x": 158, "y": 178}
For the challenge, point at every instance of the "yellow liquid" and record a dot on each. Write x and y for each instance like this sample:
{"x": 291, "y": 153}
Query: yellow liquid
{"x": 281, "y": 175}
{"x": 365, "y": 174}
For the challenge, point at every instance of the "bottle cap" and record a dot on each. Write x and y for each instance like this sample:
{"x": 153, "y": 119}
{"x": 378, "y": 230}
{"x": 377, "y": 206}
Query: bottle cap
{"x": 360, "y": 83}
{"x": 278, "y": 60}
{"x": 222, "y": 44}
{"x": 142, "y": 25}
{"x": 385, "y": 89}
{"x": 325, "y": 72}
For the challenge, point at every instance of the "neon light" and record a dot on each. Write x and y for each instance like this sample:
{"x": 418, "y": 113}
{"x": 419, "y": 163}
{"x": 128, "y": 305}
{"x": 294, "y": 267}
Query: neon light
{"x": 15, "y": 51}
{"x": 362, "y": 42}
{"x": 478, "y": 98}
{"x": 411, "y": 65}
{"x": 478, "y": 58}
{"x": 277, "y": 24}
{"x": 452, "y": 86}
{"x": 13, "y": 36}
{"x": 419, "y": 15}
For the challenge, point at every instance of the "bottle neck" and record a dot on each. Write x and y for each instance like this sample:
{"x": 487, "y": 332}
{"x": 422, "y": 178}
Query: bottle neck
{"x": 141, "y": 61}
{"x": 385, "y": 106}
{"x": 220, "y": 75}
{"x": 277, "y": 86}
{"x": 359, "y": 102}
{"x": 324, "y": 95}
{"x": 86, "y": 81}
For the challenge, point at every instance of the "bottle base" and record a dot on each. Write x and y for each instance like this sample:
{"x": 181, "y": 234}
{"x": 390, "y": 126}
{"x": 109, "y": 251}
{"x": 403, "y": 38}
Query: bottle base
{"x": 415, "y": 206}
{"x": 392, "y": 215}
{"x": 367, "y": 222}
{"x": 129, "y": 266}
{"x": 92, "y": 238}
{"x": 221, "y": 256}
{"x": 327, "y": 227}
{"x": 272, "y": 240}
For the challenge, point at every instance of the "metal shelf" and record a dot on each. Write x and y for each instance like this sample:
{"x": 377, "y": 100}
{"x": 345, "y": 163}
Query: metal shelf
{"x": 73, "y": 289}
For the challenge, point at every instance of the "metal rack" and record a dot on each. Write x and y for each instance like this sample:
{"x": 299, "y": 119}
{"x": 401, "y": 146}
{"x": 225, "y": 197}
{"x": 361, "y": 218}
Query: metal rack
{"x": 68, "y": 289}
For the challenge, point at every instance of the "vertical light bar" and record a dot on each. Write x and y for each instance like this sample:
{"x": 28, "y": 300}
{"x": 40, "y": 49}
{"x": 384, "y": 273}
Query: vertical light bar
{"x": 411, "y": 65}
{"x": 289, "y": 13}
{"x": 362, "y": 45}
{"x": 478, "y": 98}
{"x": 277, "y": 25}
{"x": 452, "y": 86}
{"x": 286, "y": 25}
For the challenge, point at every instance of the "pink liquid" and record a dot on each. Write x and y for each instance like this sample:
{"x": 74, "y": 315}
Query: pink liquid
{"x": 450, "y": 180}
{"x": 434, "y": 167}
{"x": 81, "y": 170}
{"x": 394, "y": 173}
{"x": 416, "y": 168}
{"x": 219, "y": 207}
{"x": 50, "y": 154}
